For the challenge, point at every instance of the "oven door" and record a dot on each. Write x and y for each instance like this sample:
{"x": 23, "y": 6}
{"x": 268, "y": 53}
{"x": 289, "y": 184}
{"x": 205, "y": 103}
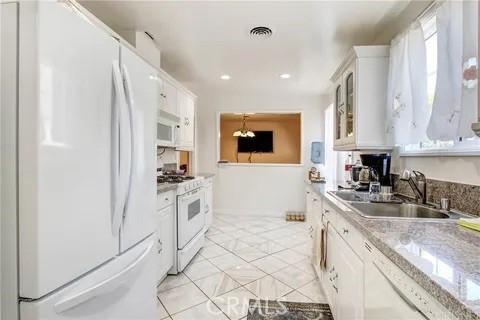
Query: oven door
{"x": 191, "y": 216}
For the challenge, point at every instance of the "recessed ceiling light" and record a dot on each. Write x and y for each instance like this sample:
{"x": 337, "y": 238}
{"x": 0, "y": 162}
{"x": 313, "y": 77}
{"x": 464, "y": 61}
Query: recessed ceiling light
{"x": 285, "y": 76}
{"x": 225, "y": 77}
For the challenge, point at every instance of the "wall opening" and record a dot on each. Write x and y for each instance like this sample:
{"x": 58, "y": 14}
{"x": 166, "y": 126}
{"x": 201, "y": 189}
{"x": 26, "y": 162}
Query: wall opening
{"x": 262, "y": 138}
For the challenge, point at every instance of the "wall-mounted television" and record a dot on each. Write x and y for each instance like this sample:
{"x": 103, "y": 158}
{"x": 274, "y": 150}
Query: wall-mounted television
{"x": 261, "y": 143}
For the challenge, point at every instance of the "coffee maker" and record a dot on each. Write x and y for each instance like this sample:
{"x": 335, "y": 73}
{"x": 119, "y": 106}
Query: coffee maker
{"x": 380, "y": 164}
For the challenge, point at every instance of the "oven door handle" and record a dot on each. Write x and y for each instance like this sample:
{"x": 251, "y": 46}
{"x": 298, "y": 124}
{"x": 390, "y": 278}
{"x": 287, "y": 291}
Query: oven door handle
{"x": 190, "y": 194}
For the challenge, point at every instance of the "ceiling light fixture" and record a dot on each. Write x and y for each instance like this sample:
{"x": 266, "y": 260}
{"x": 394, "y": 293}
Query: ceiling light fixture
{"x": 225, "y": 77}
{"x": 243, "y": 131}
{"x": 285, "y": 76}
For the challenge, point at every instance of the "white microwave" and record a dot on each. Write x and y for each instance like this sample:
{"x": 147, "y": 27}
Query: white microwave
{"x": 167, "y": 129}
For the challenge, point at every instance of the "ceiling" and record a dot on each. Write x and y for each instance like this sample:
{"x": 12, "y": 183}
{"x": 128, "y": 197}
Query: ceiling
{"x": 201, "y": 40}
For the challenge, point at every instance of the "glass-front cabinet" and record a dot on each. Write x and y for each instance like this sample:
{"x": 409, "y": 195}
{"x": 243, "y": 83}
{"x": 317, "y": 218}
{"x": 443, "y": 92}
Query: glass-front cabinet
{"x": 339, "y": 110}
{"x": 360, "y": 86}
{"x": 345, "y": 107}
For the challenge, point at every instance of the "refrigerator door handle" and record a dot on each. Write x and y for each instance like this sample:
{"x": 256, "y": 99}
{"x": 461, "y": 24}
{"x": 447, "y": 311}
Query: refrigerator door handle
{"x": 130, "y": 105}
{"x": 121, "y": 142}
{"x": 106, "y": 285}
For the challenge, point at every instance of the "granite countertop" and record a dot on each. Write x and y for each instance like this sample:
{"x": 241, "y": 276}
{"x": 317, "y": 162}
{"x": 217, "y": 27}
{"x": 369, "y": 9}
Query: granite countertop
{"x": 206, "y": 175}
{"x": 440, "y": 256}
{"x": 164, "y": 187}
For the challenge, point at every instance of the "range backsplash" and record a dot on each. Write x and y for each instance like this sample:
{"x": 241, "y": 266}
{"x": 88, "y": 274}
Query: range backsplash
{"x": 463, "y": 197}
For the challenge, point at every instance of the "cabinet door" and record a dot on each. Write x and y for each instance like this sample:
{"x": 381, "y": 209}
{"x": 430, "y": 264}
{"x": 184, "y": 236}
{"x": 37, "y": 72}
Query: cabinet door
{"x": 316, "y": 248}
{"x": 186, "y": 109}
{"x": 170, "y": 96}
{"x": 349, "y": 115}
{"x": 188, "y": 116}
{"x": 349, "y": 302}
{"x": 161, "y": 97}
{"x": 339, "y": 112}
{"x": 165, "y": 243}
{"x": 315, "y": 215}
{"x": 308, "y": 203}
{"x": 331, "y": 273}
{"x": 208, "y": 204}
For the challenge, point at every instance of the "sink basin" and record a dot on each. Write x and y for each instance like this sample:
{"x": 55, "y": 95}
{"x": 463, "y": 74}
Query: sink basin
{"x": 351, "y": 195}
{"x": 404, "y": 210}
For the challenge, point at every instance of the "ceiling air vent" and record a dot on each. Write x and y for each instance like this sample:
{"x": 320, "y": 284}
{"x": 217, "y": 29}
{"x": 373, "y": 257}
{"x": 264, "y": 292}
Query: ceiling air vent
{"x": 261, "y": 32}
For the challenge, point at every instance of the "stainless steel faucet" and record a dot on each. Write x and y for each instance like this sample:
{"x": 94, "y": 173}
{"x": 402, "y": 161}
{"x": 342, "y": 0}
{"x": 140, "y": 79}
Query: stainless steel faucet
{"x": 418, "y": 183}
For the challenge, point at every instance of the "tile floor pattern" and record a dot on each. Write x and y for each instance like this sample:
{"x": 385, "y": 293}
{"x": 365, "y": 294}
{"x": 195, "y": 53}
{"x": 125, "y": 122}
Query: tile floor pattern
{"x": 243, "y": 258}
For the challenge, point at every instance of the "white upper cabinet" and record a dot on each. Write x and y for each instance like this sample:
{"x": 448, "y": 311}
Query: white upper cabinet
{"x": 186, "y": 110}
{"x": 360, "y": 99}
{"x": 167, "y": 96}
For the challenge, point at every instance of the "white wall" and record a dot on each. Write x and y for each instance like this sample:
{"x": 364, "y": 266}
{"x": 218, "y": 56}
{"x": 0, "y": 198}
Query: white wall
{"x": 454, "y": 169}
{"x": 256, "y": 190}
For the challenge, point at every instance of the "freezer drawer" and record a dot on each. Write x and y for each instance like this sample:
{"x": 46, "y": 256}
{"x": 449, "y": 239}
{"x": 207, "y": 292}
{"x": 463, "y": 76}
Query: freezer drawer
{"x": 122, "y": 289}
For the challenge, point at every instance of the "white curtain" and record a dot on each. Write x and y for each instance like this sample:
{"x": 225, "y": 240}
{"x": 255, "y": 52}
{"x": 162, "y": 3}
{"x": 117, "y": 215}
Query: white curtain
{"x": 447, "y": 105}
{"x": 407, "y": 101}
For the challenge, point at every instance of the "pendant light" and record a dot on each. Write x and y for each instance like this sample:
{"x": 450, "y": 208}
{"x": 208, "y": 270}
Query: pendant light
{"x": 244, "y": 132}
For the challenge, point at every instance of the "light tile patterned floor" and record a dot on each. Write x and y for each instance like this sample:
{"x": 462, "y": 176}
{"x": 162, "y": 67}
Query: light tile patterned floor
{"x": 243, "y": 258}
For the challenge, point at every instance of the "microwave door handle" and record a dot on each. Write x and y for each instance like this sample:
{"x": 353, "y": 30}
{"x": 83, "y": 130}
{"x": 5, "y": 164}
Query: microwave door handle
{"x": 121, "y": 144}
{"x": 400, "y": 293}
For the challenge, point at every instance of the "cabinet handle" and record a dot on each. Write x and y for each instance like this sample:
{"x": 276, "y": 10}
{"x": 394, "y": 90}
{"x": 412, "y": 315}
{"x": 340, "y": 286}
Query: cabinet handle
{"x": 315, "y": 200}
{"x": 335, "y": 287}
{"x": 166, "y": 199}
{"x": 326, "y": 211}
{"x": 345, "y": 231}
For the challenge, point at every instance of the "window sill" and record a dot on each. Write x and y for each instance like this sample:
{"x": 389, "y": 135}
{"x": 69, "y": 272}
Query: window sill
{"x": 441, "y": 153}
{"x": 233, "y": 164}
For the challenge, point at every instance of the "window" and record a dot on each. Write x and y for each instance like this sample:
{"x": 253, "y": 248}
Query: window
{"x": 459, "y": 146}
{"x": 260, "y": 138}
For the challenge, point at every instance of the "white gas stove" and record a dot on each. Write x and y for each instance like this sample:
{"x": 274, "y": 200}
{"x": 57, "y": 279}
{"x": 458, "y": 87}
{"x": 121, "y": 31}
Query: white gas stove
{"x": 190, "y": 230}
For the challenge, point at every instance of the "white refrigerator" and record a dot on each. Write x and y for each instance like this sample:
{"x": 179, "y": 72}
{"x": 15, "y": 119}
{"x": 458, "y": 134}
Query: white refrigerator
{"x": 86, "y": 185}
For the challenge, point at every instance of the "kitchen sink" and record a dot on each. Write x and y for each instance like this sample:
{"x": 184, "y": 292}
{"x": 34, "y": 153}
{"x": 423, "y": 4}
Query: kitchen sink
{"x": 393, "y": 210}
{"x": 349, "y": 195}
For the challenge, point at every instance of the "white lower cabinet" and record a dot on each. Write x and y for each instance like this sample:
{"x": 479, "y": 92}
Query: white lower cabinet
{"x": 363, "y": 284}
{"x": 349, "y": 302}
{"x": 208, "y": 185}
{"x": 342, "y": 279}
{"x": 165, "y": 241}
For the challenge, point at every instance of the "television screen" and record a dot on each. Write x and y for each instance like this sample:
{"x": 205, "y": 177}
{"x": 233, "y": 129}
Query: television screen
{"x": 261, "y": 143}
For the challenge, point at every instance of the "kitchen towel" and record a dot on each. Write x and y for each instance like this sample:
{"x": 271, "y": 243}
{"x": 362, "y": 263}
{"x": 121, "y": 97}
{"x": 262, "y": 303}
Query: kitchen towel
{"x": 470, "y": 223}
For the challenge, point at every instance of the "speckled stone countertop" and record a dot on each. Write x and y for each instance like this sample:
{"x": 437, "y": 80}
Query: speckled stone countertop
{"x": 164, "y": 187}
{"x": 440, "y": 256}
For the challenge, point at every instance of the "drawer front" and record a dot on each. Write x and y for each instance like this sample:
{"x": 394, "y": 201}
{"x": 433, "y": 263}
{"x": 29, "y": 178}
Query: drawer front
{"x": 165, "y": 199}
{"x": 351, "y": 235}
{"x": 329, "y": 214}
